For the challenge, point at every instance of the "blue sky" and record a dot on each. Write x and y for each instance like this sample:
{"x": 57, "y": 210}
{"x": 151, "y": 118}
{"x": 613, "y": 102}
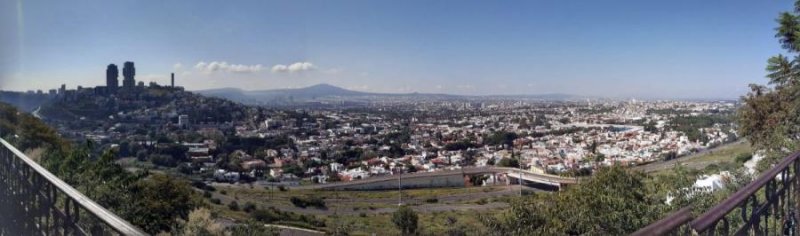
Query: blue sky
{"x": 648, "y": 49}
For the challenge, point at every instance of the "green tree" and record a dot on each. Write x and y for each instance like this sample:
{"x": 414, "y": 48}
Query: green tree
{"x": 614, "y": 201}
{"x": 201, "y": 223}
{"x": 768, "y": 118}
{"x": 599, "y": 157}
{"x": 508, "y": 162}
{"x": 406, "y": 220}
{"x": 158, "y": 200}
{"x": 252, "y": 228}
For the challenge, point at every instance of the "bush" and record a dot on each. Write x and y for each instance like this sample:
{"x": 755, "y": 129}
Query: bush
{"x": 405, "y": 219}
{"x": 216, "y": 201}
{"x": 432, "y": 200}
{"x": 209, "y": 188}
{"x": 282, "y": 188}
{"x": 307, "y": 201}
{"x": 234, "y": 206}
{"x": 206, "y": 194}
{"x": 223, "y": 192}
{"x": 199, "y": 184}
{"x": 508, "y": 162}
{"x": 265, "y": 215}
{"x": 249, "y": 207}
{"x": 743, "y": 157}
{"x": 163, "y": 160}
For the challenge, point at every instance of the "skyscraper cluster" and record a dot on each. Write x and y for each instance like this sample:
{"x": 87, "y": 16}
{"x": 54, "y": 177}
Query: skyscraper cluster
{"x": 112, "y": 75}
{"x": 111, "y": 78}
{"x": 128, "y": 71}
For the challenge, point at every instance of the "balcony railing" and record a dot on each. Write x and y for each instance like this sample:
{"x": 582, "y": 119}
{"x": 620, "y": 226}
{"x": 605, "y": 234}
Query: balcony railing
{"x": 766, "y": 206}
{"x": 33, "y": 201}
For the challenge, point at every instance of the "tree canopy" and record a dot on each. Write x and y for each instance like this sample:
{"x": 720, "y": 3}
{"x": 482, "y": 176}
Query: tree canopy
{"x": 769, "y": 117}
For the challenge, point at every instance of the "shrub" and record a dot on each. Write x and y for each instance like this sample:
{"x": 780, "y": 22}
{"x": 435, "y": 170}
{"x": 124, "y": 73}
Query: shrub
{"x": 216, "y": 201}
{"x": 743, "y": 157}
{"x": 249, "y": 207}
{"x": 405, "y": 219}
{"x": 308, "y": 201}
{"x": 234, "y": 206}
{"x": 265, "y": 215}
{"x": 209, "y": 188}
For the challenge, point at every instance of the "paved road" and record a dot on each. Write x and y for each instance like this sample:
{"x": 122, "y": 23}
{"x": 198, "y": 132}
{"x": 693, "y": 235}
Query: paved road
{"x": 661, "y": 165}
{"x": 435, "y": 174}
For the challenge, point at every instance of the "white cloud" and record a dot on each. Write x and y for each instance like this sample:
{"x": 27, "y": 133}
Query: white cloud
{"x": 222, "y": 66}
{"x": 279, "y": 68}
{"x": 177, "y": 67}
{"x": 293, "y": 68}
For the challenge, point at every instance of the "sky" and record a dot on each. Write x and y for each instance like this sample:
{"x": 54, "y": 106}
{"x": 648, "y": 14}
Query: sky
{"x": 615, "y": 48}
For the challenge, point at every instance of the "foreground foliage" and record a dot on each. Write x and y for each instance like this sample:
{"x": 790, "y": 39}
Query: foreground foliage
{"x": 154, "y": 202}
{"x": 615, "y": 201}
{"x": 769, "y": 117}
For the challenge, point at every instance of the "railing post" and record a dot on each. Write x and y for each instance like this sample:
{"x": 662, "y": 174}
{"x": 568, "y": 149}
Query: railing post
{"x": 776, "y": 214}
{"x": 29, "y": 197}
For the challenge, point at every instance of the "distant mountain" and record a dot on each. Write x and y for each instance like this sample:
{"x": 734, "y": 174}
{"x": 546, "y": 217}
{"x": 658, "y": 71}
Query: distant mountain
{"x": 282, "y": 95}
{"x": 318, "y": 90}
{"x": 329, "y": 92}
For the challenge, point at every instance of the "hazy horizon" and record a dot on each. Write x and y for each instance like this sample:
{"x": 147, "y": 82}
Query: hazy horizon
{"x": 682, "y": 49}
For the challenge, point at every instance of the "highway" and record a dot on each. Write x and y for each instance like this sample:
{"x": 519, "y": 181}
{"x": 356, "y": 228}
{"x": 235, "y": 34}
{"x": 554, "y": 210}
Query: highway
{"x": 511, "y": 172}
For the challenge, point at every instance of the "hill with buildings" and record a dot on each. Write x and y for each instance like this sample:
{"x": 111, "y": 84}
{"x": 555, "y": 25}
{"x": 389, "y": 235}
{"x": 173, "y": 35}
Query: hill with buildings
{"x": 25, "y": 101}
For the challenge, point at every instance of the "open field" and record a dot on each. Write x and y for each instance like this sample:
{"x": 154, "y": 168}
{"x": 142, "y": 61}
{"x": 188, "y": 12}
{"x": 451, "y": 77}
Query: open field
{"x": 366, "y": 212}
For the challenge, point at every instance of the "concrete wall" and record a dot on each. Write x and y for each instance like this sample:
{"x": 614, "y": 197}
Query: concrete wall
{"x": 454, "y": 180}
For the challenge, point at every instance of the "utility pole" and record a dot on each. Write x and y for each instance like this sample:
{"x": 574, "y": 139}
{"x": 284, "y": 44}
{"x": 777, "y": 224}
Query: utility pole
{"x": 336, "y": 211}
{"x": 519, "y": 166}
{"x": 400, "y": 188}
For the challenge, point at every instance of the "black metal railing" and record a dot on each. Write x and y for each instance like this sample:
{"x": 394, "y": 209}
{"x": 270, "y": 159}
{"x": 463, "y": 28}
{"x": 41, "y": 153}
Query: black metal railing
{"x": 33, "y": 201}
{"x": 765, "y": 206}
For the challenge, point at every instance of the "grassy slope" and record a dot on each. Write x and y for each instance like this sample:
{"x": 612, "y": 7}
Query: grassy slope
{"x": 367, "y": 209}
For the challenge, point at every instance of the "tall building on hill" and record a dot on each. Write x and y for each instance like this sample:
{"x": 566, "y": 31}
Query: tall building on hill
{"x": 112, "y": 73}
{"x": 128, "y": 71}
{"x": 183, "y": 120}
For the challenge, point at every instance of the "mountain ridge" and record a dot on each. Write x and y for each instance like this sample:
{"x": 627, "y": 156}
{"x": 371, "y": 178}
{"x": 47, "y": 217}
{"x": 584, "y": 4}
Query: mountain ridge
{"x": 322, "y": 86}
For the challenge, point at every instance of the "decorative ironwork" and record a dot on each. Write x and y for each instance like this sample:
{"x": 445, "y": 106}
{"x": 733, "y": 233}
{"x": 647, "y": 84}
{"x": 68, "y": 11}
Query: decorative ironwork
{"x": 766, "y": 206}
{"x": 33, "y": 201}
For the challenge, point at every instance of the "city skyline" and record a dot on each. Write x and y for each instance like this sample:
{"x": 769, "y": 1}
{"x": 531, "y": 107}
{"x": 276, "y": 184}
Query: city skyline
{"x": 625, "y": 49}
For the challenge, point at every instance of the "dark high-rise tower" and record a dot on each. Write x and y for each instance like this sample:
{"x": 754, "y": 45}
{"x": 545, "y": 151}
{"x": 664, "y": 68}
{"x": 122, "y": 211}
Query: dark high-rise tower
{"x": 128, "y": 72}
{"x": 173, "y": 80}
{"x": 112, "y": 83}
